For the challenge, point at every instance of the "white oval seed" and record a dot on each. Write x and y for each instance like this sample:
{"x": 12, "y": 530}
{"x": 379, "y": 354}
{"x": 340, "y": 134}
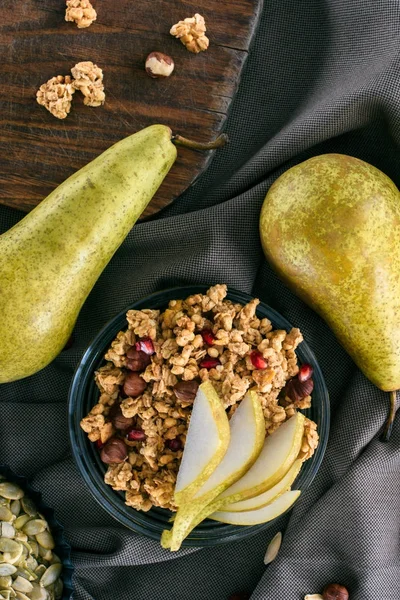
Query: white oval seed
{"x": 7, "y": 530}
{"x": 7, "y": 569}
{"x": 45, "y": 539}
{"x": 34, "y": 527}
{"x": 11, "y": 491}
{"x": 20, "y": 584}
{"x": 273, "y": 548}
{"x": 51, "y": 575}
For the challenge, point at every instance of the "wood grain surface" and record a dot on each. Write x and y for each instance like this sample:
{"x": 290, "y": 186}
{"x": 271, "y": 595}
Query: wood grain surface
{"x": 38, "y": 151}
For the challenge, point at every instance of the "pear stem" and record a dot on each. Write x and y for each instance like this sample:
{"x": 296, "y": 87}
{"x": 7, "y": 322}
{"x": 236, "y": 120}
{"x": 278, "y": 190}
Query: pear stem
{"x": 387, "y": 430}
{"x": 219, "y": 142}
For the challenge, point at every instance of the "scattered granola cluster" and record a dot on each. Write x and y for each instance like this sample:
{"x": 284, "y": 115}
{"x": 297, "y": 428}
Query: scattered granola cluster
{"x": 81, "y": 12}
{"x": 150, "y": 380}
{"x": 192, "y": 33}
{"x": 56, "y": 94}
{"x": 88, "y": 78}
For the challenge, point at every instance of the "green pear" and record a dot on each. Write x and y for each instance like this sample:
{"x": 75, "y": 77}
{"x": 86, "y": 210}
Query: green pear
{"x": 330, "y": 227}
{"x": 51, "y": 259}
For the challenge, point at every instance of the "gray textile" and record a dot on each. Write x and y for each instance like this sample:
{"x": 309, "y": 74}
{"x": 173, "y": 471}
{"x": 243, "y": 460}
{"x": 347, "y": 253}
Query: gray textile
{"x": 323, "y": 76}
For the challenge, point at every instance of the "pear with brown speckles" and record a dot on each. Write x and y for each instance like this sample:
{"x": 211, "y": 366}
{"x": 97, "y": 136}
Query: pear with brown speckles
{"x": 330, "y": 227}
{"x": 51, "y": 259}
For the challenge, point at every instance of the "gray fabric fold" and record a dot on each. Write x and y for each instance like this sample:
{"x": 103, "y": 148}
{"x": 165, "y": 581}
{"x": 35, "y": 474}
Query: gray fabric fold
{"x": 323, "y": 76}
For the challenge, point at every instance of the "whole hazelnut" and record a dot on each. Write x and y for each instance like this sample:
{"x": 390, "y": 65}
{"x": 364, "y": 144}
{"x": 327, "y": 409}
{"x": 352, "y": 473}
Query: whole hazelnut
{"x": 114, "y": 451}
{"x": 121, "y": 422}
{"x": 159, "y": 65}
{"x": 335, "y": 591}
{"x": 134, "y": 385}
{"x": 137, "y": 360}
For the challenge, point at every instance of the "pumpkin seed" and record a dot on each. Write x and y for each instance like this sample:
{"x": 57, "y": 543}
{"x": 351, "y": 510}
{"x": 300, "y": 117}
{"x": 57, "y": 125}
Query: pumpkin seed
{"x": 5, "y": 581}
{"x": 7, "y": 545}
{"x": 31, "y": 563}
{"x": 6, "y": 530}
{"x": 29, "y": 506}
{"x": 34, "y": 546}
{"x": 51, "y": 575}
{"x": 21, "y": 521}
{"x": 15, "y": 507}
{"x": 13, "y": 556}
{"x": 11, "y": 491}
{"x": 39, "y": 593}
{"x": 46, "y": 540}
{"x": 21, "y": 596}
{"x": 34, "y": 527}
{"x": 55, "y": 559}
{"x": 7, "y": 569}
{"x": 6, "y": 514}
{"x": 5, "y": 594}
{"x": 20, "y": 584}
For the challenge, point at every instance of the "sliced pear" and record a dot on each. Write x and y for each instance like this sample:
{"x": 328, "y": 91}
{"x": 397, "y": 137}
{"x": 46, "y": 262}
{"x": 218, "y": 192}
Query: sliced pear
{"x": 259, "y": 515}
{"x": 206, "y": 442}
{"x": 247, "y": 427}
{"x": 270, "y": 495}
{"x": 279, "y": 452}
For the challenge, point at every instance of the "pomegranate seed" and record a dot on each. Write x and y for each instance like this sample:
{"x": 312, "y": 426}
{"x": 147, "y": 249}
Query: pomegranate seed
{"x": 258, "y": 360}
{"x": 306, "y": 372}
{"x": 145, "y": 345}
{"x": 174, "y": 444}
{"x": 208, "y": 336}
{"x": 209, "y": 363}
{"x": 99, "y": 444}
{"x": 136, "y": 435}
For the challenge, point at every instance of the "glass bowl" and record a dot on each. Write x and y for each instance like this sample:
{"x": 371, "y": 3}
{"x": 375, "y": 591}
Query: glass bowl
{"x": 84, "y": 394}
{"x": 62, "y": 549}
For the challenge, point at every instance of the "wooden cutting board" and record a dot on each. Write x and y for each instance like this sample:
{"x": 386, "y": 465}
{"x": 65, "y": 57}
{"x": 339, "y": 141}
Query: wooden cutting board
{"x": 38, "y": 151}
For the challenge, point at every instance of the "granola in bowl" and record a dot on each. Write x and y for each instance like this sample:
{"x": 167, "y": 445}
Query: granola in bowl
{"x": 150, "y": 379}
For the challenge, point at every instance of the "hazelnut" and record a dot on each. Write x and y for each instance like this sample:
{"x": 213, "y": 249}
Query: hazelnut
{"x": 137, "y": 360}
{"x": 134, "y": 385}
{"x": 296, "y": 390}
{"x": 335, "y": 591}
{"x": 186, "y": 390}
{"x": 114, "y": 451}
{"x": 121, "y": 422}
{"x": 159, "y": 65}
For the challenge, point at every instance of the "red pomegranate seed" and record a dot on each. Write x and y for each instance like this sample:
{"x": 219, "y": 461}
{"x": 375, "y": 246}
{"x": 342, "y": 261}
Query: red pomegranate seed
{"x": 174, "y": 444}
{"x": 258, "y": 360}
{"x": 145, "y": 345}
{"x": 136, "y": 435}
{"x": 99, "y": 444}
{"x": 209, "y": 363}
{"x": 208, "y": 336}
{"x": 306, "y": 372}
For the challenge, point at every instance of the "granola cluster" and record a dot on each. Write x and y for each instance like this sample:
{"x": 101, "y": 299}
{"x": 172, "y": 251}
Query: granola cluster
{"x": 56, "y": 96}
{"x": 192, "y": 33}
{"x": 81, "y": 12}
{"x": 205, "y": 337}
{"x": 88, "y": 79}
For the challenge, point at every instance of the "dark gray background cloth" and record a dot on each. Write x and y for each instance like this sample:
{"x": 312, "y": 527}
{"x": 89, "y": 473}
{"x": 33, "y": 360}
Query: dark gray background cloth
{"x": 323, "y": 76}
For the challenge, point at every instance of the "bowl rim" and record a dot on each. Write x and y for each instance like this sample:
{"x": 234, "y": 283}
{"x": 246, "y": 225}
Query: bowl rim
{"x": 56, "y": 528}
{"x": 107, "y": 497}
